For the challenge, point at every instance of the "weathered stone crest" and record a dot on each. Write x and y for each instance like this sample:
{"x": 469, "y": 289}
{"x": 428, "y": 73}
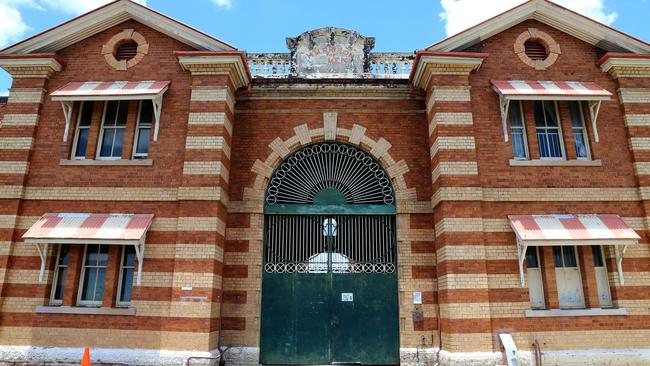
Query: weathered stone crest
{"x": 330, "y": 53}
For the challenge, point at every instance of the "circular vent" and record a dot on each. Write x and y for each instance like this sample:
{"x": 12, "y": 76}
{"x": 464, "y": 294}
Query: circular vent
{"x": 126, "y": 50}
{"x": 535, "y": 50}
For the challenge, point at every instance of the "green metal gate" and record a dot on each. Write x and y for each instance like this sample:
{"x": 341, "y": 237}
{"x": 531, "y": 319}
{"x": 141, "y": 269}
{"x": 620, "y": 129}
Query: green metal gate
{"x": 329, "y": 285}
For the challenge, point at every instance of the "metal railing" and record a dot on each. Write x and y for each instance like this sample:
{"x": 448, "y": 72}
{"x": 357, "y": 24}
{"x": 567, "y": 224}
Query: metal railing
{"x": 211, "y": 359}
{"x": 383, "y": 65}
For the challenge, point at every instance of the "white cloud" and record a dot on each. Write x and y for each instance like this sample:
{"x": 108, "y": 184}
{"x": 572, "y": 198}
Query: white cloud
{"x": 13, "y": 27}
{"x": 78, "y": 6}
{"x": 459, "y": 15}
{"x": 227, "y": 4}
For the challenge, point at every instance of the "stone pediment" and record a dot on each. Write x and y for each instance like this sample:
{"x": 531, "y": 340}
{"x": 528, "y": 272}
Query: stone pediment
{"x": 330, "y": 53}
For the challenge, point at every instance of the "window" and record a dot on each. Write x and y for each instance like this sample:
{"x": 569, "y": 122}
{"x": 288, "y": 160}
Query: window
{"x": 602, "y": 279}
{"x": 518, "y": 130}
{"x": 127, "y": 269}
{"x": 535, "y": 281}
{"x": 569, "y": 280}
{"x": 93, "y": 274}
{"x": 580, "y": 137}
{"x": 82, "y": 130}
{"x": 60, "y": 272}
{"x": 549, "y": 134}
{"x": 143, "y": 130}
{"x": 112, "y": 133}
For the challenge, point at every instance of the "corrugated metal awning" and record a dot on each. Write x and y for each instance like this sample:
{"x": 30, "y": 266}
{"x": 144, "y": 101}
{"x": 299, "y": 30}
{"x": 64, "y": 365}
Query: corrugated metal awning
{"x": 554, "y": 230}
{"x": 509, "y": 90}
{"x": 110, "y": 90}
{"x": 88, "y": 228}
{"x": 572, "y": 229}
{"x": 522, "y": 89}
{"x": 103, "y": 90}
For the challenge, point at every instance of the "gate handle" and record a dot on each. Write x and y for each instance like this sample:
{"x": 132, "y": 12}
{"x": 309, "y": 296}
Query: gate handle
{"x": 334, "y": 322}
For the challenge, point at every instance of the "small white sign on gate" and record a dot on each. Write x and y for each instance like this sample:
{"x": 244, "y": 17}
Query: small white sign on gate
{"x": 347, "y": 297}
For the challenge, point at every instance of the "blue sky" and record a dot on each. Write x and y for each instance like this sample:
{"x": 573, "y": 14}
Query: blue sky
{"x": 262, "y": 25}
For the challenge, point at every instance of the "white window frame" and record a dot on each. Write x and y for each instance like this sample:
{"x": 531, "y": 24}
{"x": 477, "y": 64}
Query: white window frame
{"x": 585, "y": 134}
{"x": 75, "y": 141}
{"x": 101, "y": 132}
{"x": 55, "y": 279}
{"x": 523, "y": 130}
{"x": 559, "y": 128}
{"x": 81, "y": 302}
{"x": 118, "y": 300}
{"x": 138, "y": 126}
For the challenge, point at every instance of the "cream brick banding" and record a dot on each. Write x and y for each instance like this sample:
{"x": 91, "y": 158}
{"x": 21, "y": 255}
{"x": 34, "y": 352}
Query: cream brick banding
{"x": 202, "y": 194}
{"x": 451, "y": 94}
{"x": 210, "y": 119}
{"x": 20, "y": 120}
{"x": 213, "y": 94}
{"x": 632, "y": 95}
{"x": 100, "y": 194}
{"x": 640, "y": 143}
{"x": 451, "y": 119}
{"x": 13, "y": 167}
{"x": 201, "y": 224}
{"x": 455, "y": 225}
{"x": 454, "y": 168}
{"x": 452, "y": 143}
{"x": 208, "y": 143}
{"x": 637, "y": 120}
{"x": 15, "y": 143}
{"x": 206, "y": 168}
{"x": 25, "y": 95}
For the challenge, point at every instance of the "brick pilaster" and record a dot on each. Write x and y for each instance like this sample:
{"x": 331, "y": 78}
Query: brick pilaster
{"x": 23, "y": 111}
{"x": 203, "y": 195}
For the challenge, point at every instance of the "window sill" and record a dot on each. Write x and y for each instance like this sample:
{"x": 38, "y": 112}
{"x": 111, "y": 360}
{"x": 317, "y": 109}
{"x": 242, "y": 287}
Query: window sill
{"x": 84, "y": 310}
{"x": 574, "y": 312}
{"x": 515, "y": 162}
{"x": 91, "y": 162}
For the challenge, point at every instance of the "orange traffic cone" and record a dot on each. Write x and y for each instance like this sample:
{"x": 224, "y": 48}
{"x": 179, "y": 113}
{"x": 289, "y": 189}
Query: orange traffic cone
{"x": 85, "y": 360}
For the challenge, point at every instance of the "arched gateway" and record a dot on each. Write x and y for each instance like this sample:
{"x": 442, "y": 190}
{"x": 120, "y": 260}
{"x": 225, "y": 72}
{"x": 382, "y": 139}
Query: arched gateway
{"x": 329, "y": 286}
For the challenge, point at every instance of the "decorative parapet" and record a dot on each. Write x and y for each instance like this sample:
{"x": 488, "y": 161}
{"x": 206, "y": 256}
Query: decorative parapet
{"x": 383, "y": 65}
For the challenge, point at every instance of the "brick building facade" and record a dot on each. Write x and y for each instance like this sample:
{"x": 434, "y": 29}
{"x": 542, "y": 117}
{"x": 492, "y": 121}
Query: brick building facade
{"x": 517, "y": 158}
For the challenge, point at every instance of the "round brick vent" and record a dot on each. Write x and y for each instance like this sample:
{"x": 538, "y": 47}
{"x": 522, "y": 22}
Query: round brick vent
{"x": 125, "y": 49}
{"x": 537, "y": 49}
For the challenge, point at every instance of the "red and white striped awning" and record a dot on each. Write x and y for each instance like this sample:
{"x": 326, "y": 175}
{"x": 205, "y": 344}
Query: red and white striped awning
{"x": 106, "y": 90}
{"x": 572, "y": 230}
{"x": 87, "y": 228}
{"x": 556, "y": 90}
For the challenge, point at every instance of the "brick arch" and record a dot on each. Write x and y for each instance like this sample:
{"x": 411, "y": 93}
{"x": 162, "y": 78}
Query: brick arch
{"x": 356, "y": 136}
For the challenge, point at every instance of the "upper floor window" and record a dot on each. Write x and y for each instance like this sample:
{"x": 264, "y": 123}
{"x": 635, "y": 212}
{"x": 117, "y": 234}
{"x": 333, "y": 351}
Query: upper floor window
{"x": 112, "y": 132}
{"x": 549, "y": 133}
{"x": 518, "y": 130}
{"x": 83, "y": 130}
{"x": 580, "y": 137}
{"x": 143, "y": 130}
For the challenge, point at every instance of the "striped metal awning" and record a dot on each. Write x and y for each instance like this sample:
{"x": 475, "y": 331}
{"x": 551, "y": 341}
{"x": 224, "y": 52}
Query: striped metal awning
{"x": 88, "y": 228}
{"x": 509, "y": 90}
{"x": 572, "y": 229}
{"x": 536, "y": 90}
{"x": 104, "y": 90}
{"x": 555, "y": 230}
{"x": 110, "y": 90}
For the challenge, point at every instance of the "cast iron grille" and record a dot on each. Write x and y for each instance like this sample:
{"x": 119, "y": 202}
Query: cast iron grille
{"x": 535, "y": 50}
{"x": 330, "y": 165}
{"x": 305, "y": 244}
